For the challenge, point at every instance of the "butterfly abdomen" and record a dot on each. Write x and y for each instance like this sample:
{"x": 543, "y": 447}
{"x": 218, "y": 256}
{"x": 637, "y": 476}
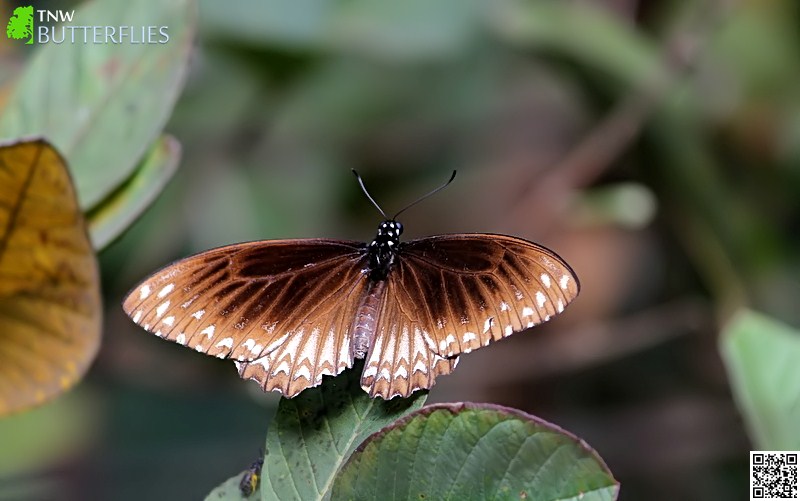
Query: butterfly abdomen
{"x": 367, "y": 318}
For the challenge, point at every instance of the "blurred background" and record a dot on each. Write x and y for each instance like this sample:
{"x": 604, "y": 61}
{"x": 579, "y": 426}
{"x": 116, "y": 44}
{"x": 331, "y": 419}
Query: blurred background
{"x": 653, "y": 145}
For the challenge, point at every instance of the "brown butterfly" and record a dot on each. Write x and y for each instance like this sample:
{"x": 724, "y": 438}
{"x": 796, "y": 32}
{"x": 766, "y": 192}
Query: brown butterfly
{"x": 291, "y": 311}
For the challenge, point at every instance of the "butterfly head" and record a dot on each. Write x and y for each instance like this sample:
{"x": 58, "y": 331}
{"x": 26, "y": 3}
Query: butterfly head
{"x": 383, "y": 248}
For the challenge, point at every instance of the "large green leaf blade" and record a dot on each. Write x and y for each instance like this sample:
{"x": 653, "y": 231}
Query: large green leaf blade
{"x": 114, "y": 214}
{"x": 474, "y": 451}
{"x": 761, "y": 356}
{"x": 314, "y": 433}
{"x": 103, "y": 105}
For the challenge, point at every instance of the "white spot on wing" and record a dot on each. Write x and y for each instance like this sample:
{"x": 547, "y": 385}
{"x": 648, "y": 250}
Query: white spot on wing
{"x": 531, "y": 324}
{"x": 226, "y": 343}
{"x": 488, "y": 324}
{"x": 401, "y": 372}
{"x": 509, "y": 330}
{"x": 249, "y": 343}
{"x": 545, "y": 280}
{"x": 166, "y": 290}
{"x": 503, "y": 306}
{"x": 564, "y": 281}
{"x": 282, "y": 367}
{"x": 371, "y": 371}
{"x": 540, "y": 298}
{"x": 198, "y": 348}
{"x": 420, "y": 366}
{"x": 169, "y": 320}
{"x": 273, "y": 345}
{"x": 560, "y": 306}
{"x": 199, "y": 314}
{"x": 384, "y": 374}
{"x": 181, "y": 339}
{"x": 137, "y": 316}
{"x": 469, "y": 336}
{"x": 144, "y": 291}
{"x": 208, "y": 331}
{"x": 526, "y": 312}
{"x": 303, "y": 371}
{"x": 162, "y": 308}
{"x": 450, "y": 339}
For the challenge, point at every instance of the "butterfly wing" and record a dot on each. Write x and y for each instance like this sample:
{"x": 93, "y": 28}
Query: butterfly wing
{"x": 455, "y": 293}
{"x": 276, "y": 307}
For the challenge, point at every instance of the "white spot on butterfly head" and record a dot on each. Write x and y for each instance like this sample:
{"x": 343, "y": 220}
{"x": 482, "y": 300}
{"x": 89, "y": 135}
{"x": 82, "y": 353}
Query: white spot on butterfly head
{"x": 169, "y": 320}
{"x": 526, "y": 311}
{"x": 166, "y": 290}
{"x": 199, "y": 314}
{"x": 503, "y": 306}
{"x": 144, "y": 291}
{"x": 564, "y": 281}
{"x": 226, "y": 343}
{"x": 162, "y": 308}
{"x": 545, "y": 280}
{"x": 540, "y": 298}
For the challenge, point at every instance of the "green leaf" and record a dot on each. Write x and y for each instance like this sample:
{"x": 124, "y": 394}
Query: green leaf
{"x": 474, "y": 451}
{"x": 588, "y": 34}
{"x": 103, "y": 105}
{"x": 414, "y": 29}
{"x": 114, "y": 214}
{"x": 761, "y": 356}
{"x": 314, "y": 433}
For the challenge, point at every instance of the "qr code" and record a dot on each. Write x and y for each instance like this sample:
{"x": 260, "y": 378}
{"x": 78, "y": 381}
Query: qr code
{"x": 773, "y": 475}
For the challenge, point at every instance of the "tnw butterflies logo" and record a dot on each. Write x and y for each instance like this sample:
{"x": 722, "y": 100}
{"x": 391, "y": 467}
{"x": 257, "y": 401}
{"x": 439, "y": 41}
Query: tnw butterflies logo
{"x": 20, "y": 25}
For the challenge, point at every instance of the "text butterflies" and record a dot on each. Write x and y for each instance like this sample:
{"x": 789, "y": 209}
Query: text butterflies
{"x": 291, "y": 311}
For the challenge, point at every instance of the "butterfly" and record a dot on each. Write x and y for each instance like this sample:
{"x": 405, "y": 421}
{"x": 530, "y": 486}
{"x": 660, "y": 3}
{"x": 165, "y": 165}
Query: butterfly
{"x": 289, "y": 312}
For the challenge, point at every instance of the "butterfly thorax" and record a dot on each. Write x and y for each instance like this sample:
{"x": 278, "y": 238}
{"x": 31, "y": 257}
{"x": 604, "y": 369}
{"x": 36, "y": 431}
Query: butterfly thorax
{"x": 383, "y": 249}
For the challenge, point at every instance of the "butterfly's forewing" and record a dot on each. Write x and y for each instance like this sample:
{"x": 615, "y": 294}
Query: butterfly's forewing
{"x": 458, "y": 293}
{"x": 282, "y": 309}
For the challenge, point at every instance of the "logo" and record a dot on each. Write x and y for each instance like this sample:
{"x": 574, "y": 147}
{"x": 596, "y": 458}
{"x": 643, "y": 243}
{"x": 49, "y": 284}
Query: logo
{"x": 57, "y": 27}
{"x": 20, "y": 25}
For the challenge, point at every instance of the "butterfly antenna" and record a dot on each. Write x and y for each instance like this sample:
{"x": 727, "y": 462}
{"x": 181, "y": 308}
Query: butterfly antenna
{"x": 364, "y": 189}
{"x": 423, "y": 197}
